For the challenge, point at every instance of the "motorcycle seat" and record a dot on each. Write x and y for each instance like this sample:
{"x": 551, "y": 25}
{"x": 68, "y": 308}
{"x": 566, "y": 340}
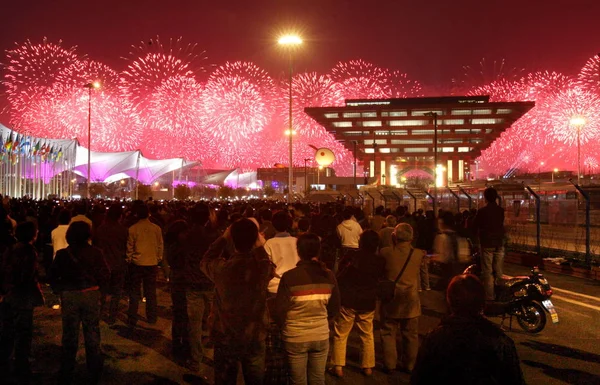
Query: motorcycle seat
{"x": 507, "y": 283}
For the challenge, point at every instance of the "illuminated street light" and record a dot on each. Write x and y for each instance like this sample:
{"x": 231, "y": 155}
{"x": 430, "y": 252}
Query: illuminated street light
{"x": 90, "y": 86}
{"x": 554, "y": 172}
{"x": 290, "y": 42}
{"x": 578, "y": 122}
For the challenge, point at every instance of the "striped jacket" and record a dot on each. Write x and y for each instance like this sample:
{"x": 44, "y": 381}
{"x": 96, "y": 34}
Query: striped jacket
{"x": 308, "y": 295}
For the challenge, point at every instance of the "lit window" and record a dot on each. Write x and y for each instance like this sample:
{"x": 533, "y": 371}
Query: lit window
{"x": 398, "y": 113}
{"x": 370, "y": 114}
{"x": 412, "y": 141}
{"x": 460, "y": 112}
{"x": 373, "y": 123}
{"x": 504, "y": 111}
{"x": 384, "y": 150}
{"x": 351, "y": 114}
{"x": 488, "y": 130}
{"x": 482, "y": 112}
{"x": 451, "y": 141}
{"x": 369, "y": 150}
{"x": 475, "y": 141}
{"x": 404, "y": 123}
{"x": 416, "y": 150}
{"x": 382, "y": 132}
{"x": 467, "y": 131}
{"x": 332, "y": 115}
{"x": 453, "y": 121}
{"x": 352, "y": 133}
{"x": 422, "y": 132}
{"x": 342, "y": 124}
{"x": 487, "y": 121}
{"x": 385, "y": 113}
{"x": 377, "y": 141}
{"x": 464, "y": 149}
{"x": 447, "y": 149}
{"x": 395, "y": 150}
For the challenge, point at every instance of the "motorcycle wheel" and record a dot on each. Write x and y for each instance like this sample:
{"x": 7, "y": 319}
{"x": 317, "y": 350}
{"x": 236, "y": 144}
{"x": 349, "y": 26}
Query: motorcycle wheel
{"x": 534, "y": 319}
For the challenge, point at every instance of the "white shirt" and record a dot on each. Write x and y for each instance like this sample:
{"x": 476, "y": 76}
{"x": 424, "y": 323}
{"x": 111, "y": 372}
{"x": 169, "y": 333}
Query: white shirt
{"x": 349, "y": 232}
{"x": 59, "y": 238}
{"x": 283, "y": 253}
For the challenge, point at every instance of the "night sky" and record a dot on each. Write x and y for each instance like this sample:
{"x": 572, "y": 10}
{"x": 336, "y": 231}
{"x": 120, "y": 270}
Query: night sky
{"x": 430, "y": 40}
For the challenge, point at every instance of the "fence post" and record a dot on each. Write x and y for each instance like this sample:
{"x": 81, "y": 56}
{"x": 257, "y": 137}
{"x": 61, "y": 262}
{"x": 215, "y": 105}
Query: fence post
{"x": 413, "y": 197}
{"x": 470, "y": 199}
{"x": 457, "y": 199}
{"x": 433, "y": 200}
{"x": 538, "y": 222}
{"x": 586, "y": 196}
{"x": 372, "y": 200}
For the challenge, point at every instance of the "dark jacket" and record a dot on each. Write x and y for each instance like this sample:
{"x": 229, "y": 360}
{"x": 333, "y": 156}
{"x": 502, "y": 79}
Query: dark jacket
{"x": 358, "y": 280}
{"x": 185, "y": 257}
{"x": 19, "y": 276}
{"x": 467, "y": 351}
{"x": 111, "y": 238}
{"x": 80, "y": 268}
{"x": 489, "y": 225}
{"x": 239, "y": 310}
{"x": 308, "y": 295}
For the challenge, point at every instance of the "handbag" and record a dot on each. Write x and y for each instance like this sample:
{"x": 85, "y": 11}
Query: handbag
{"x": 386, "y": 288}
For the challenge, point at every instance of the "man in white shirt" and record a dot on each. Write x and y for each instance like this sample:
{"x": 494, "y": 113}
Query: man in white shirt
{"x": 281, "y": 249}
{"x": 349, "y": 230}
{"x": 81, "y": 211}
{"x": 59, "y": 234}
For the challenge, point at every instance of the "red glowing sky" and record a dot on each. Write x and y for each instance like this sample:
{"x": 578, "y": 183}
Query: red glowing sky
{"x": 430, "y": 40}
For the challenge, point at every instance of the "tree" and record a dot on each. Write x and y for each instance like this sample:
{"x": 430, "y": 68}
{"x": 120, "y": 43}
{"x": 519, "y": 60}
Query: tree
{"x": 182, "y": 192}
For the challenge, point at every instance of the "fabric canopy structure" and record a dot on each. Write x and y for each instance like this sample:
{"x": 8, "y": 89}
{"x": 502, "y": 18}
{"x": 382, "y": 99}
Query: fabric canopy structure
{"x": 37, "y": 167}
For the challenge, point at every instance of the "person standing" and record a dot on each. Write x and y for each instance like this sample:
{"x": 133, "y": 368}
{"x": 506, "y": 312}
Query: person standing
{"x": 489, "y": 228}
{"x": 59, "y": 234}
{"x": 349, "y": 230}
{"x": 79, "y": 273}
{"x": 358, "y": 288}
{"x": 19, "y": 294}
{"x": 308, "y": 295}
{"x": 81, "y": 216}
{"x": 385, "y": 234}
{"x": 466, "y": 348}
{"x": 111, "y": 238}
{"x": 144, "y": 253}
{"x": 239, "y": 313}
{"x": 281, "y": 249}
{"x": 402, "y": 313}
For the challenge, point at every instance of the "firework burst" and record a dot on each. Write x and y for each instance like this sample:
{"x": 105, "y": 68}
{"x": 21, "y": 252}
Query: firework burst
{"x": 589, "y": 77}
{"x": 486, "y": 72}
{"x": 237, "y": 102}
{"x": 361, "y": 80}
{"x": 401, "y": 86}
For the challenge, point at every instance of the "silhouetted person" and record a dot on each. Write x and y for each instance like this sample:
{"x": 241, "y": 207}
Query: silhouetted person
{"x": 466, "y": 348}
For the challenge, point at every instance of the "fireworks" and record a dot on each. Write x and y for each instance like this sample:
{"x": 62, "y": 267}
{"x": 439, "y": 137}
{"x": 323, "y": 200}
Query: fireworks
{"x": 589, "y": 77}
{"x": 486, "y": 72}
{"x": 361, "y": 80}
{"x": 400, "y": 86}
{"x": 237, "y": 102}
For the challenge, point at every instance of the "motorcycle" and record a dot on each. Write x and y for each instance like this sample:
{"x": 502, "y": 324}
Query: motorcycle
{"x": 527, "y": 298}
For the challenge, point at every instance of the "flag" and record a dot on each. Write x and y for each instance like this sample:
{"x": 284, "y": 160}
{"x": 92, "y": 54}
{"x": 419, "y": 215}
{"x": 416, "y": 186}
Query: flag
{"x": 59, "y": 154}
{"x": 50, "y": 156}
{"x": 15, "y": 145}
{"x": 9, "y": 143}
{"x": 36, "y": 148}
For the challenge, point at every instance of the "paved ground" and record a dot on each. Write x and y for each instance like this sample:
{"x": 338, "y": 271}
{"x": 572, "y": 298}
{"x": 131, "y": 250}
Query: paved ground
{"x": 565, "y": 353}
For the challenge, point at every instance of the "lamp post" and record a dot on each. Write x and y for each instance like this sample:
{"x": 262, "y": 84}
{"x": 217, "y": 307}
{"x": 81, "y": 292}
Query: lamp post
{"x": 90, "y": 86}
{"x": 290, "y": 41}
{"x": 435, "y": 159}
{"x": 306, "y": 176}
{"x": 554, "y": 172}
{"x": 578, "y": 122}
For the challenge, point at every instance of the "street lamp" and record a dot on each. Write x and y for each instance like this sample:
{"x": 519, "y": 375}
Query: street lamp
{"x": 540, "y": 176}
{"x": 435, "y": 159}
{"x": 554, "y": 172}
{"x": 290, "y": 41}
{"x": 90, "y": 86}
{"x": 306, "y": 176}
{"x": 578, "y": 122}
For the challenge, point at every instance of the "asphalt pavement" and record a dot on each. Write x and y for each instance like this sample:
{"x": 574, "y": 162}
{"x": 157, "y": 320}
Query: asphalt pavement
{"x": 563, "y": 353}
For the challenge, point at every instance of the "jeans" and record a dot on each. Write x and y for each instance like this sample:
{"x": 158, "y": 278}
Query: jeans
{"x": 80, "y": 308}
{"x": 342, "y": 327}
{"x": 409, "y": 334}
{"x": 492, "y": 260}
{"x": 307, "y": 360}
{"x": 145, "y": 275}
{"x": 197, "y": 303}
{"x": 250, "y": 355}
{"x": 16, "y": 332}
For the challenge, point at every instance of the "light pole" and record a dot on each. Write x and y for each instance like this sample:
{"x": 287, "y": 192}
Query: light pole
{"x": 306, "y": 176}
{"x": 554, "y": 172}
{"x": 290, "y": 41}
{"x": 578, "y": 122}
{"x": 90, "y": 86}
{"x": 435, "y": 160}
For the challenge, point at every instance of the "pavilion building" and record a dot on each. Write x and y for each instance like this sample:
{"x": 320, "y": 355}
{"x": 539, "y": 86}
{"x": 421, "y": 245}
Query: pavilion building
{"x": 393, "y": 136}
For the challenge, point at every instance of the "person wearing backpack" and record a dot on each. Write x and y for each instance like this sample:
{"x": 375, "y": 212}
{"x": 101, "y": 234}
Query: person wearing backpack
{"x": 79, "y": 273}
{"x": 358, "y": 290}
{"x": 401, "y": 313}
